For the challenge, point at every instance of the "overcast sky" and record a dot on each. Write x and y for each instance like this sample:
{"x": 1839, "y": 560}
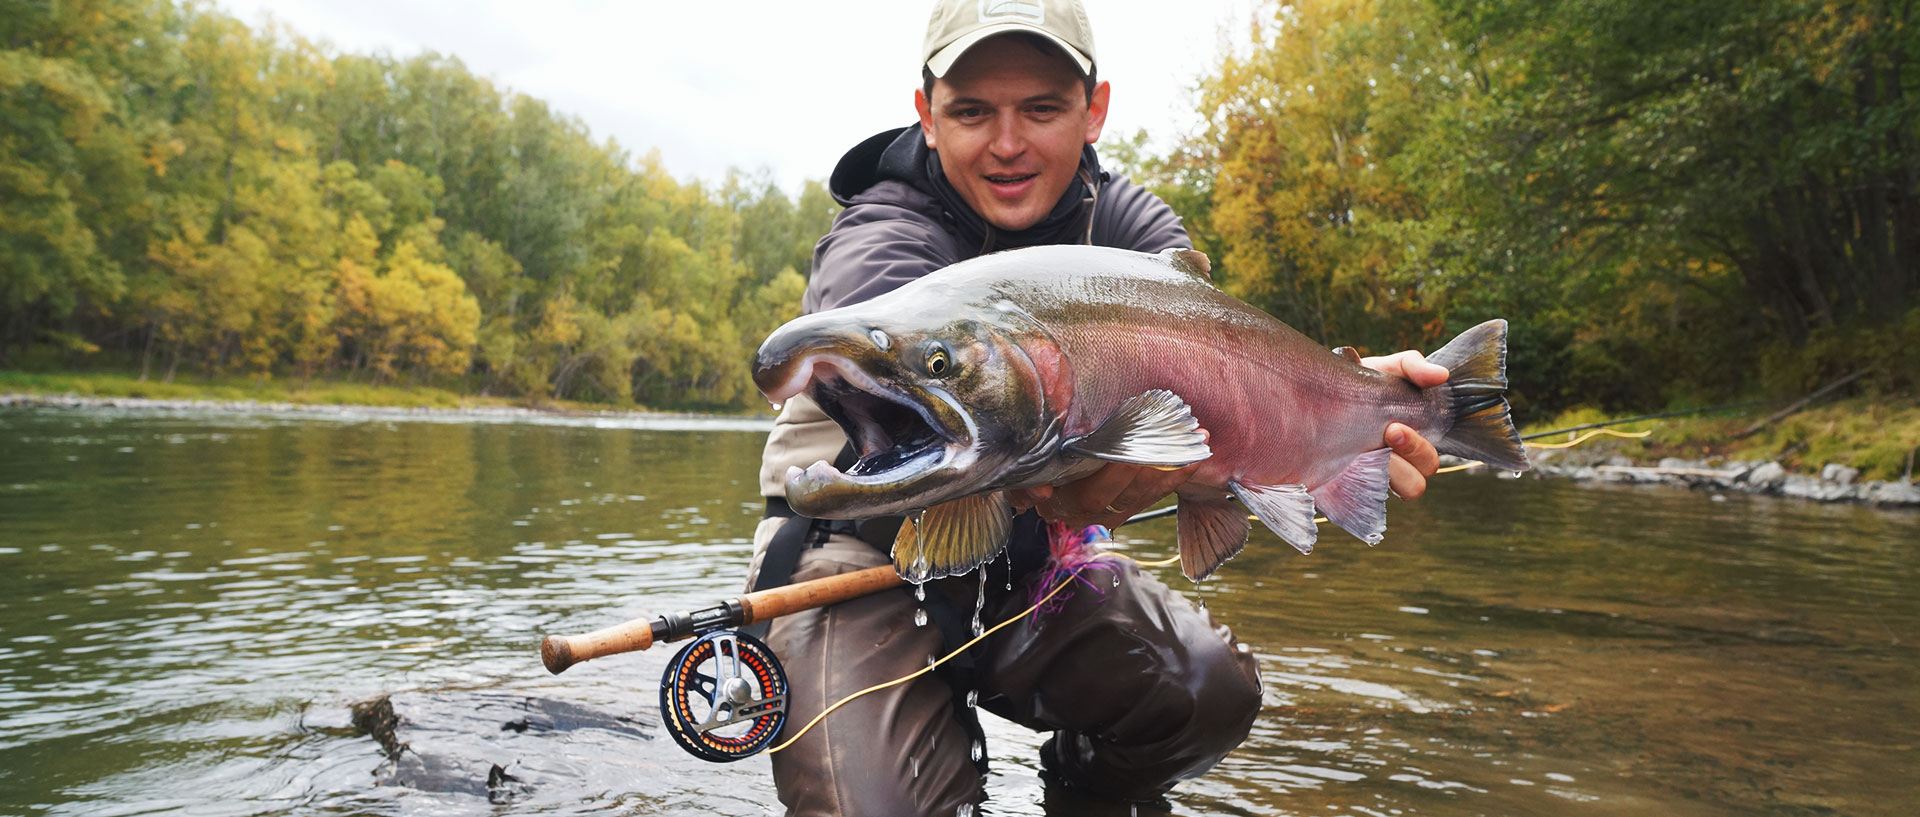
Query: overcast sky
{"x": 775, "y": 84}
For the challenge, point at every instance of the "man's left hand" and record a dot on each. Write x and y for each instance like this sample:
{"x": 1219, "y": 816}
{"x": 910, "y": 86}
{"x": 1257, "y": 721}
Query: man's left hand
{"x": 1414, "y": 459}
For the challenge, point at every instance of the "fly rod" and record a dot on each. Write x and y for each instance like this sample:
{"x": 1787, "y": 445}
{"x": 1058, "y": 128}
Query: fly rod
{"x": 559, "y": 652}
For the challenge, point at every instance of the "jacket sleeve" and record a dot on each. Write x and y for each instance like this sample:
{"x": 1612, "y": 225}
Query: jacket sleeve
{"x": 874, "y": 248}
{"x": 1130, "y": 217}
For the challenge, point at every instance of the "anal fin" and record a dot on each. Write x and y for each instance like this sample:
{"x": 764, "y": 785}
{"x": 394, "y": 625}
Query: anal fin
{"x": 1357, "y": 499}
{"x": 1287, "y": 510}
{"x": 1211, "y": 532}
{"x": 1155, "y": 429}
{"x": 952, "y": 538}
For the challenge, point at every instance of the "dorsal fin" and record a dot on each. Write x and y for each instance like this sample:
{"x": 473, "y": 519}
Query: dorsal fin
{"x": 1190, "y": 261}
{"x": 1348, "y": 352}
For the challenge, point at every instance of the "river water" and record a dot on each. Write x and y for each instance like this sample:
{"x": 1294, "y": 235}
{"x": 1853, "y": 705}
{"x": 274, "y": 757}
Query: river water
{"x": 191, "y": 604}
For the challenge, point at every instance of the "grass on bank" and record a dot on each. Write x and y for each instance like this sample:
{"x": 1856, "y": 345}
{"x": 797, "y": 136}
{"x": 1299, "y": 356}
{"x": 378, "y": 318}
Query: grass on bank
{"x": 1874, "y": 434}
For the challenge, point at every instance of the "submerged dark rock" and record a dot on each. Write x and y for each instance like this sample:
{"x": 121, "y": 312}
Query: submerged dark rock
{"x": 474, "y": 743}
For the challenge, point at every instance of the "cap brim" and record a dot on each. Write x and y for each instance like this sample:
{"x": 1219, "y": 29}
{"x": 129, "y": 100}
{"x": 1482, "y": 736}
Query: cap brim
{"x": 943, "y": 60}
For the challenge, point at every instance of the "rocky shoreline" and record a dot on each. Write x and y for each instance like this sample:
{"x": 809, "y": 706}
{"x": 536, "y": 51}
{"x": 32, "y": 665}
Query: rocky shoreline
{"x": 1836, "y": 482}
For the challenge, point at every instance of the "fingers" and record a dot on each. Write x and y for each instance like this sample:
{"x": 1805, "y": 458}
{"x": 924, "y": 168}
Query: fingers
{"x": 1410, "y": 364}
{"x": 1110, "y": 495}
{"x": 1024, "y": 498}
{"x": 1414, "y": 459}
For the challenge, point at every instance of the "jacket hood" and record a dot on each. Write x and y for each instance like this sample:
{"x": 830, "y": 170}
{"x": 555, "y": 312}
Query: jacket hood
{"x": 901, "y": 155}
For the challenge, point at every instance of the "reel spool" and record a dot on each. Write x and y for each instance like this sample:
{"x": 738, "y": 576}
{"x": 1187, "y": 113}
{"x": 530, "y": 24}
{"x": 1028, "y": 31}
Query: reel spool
{"x": 724, "y": 696}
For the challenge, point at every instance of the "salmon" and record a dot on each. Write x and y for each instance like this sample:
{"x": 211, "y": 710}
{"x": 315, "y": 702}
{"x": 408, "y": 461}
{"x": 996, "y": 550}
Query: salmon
{"x": 1037, "y": 366}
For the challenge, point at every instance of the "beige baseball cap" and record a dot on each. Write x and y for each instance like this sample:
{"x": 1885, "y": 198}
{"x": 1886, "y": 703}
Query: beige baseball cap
{"x": 958, "y": 25}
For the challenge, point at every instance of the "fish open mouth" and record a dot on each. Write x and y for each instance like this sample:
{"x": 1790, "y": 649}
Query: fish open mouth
{"x": 894, "y": 437}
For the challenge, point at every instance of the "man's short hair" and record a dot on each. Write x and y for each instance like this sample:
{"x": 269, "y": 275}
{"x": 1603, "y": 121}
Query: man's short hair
{"x": 1037, "y": 43}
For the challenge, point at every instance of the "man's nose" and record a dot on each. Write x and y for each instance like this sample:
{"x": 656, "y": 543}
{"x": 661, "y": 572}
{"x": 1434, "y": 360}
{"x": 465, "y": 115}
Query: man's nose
{"x": 1009, "y": 138}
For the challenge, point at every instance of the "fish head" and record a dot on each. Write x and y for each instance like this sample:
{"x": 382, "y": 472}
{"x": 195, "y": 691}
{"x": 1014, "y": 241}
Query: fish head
{"x": 938, "y": 401}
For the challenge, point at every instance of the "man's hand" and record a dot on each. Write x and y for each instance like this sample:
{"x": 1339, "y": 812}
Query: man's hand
{"x": 1105, "y": 497}
{"x": 1414, "y": 459}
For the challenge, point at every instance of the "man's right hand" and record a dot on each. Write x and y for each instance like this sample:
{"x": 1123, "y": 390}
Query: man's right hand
{"x": 1107, "y": 497}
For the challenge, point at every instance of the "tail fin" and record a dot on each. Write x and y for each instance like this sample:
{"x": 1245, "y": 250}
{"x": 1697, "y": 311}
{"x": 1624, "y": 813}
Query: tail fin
{"x": 1482, "y": 424}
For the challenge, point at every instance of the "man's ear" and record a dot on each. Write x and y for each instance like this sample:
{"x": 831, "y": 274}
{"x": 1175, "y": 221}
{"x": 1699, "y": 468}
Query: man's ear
{"x": 1097, "y": 112}
{"x": 925, "y": 107}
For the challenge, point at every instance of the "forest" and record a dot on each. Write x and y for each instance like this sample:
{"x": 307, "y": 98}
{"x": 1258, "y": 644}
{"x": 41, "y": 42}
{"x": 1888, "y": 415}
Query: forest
{"x": 1674, "y": 203}
{"x": 181, "y": 194}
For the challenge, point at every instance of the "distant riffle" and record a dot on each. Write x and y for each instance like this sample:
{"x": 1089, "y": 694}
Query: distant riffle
{"x": 651, "y": 421}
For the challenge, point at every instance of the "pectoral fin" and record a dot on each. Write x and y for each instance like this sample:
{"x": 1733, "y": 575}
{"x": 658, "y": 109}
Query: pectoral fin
{"x": 1211, "y": 532}
{"x": 1357, "y": 499}
{"x": 1286, "y": 510}
{"x": 1154, "y": 429}
{"x": 952, "y": 538}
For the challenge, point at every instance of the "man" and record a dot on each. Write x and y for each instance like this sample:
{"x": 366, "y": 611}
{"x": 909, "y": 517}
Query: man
{"x": 1139, "y": 688}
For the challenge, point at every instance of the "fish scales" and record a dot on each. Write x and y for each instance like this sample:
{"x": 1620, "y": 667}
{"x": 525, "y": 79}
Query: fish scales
{"x": 1254, "y": 403}
{"x": 1038, "y": 366}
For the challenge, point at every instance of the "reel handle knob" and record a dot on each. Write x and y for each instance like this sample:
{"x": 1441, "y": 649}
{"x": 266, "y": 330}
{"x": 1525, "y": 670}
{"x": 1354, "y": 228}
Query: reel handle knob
{"x": 559, "y": 652}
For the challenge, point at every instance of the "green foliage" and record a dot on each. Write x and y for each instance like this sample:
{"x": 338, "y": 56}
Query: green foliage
{"x": 1662, "y": 196}
{"x": 181, "y": 190}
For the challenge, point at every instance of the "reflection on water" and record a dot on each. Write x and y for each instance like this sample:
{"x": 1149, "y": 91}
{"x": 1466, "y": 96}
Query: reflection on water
{"x": 190, "y": 604}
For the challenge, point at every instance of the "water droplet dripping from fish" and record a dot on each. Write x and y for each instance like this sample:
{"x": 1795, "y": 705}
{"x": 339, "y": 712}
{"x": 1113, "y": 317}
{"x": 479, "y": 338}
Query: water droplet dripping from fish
{"x": 919, "y": 592}
{"x": 976, "y": 750}
{"x": 973, "y": 698}
{"x": 919, "y": 617}
{"x": 916, "y": 766}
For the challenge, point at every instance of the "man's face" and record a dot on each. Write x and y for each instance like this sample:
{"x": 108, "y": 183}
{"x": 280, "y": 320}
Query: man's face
{"x": 1009, "y": 121}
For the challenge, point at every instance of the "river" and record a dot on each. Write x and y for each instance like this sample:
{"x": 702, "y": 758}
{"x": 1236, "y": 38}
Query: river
{"x": 192, "y": 603}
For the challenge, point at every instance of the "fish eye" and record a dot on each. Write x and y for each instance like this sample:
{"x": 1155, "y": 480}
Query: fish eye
{"x": 939, "y": 361}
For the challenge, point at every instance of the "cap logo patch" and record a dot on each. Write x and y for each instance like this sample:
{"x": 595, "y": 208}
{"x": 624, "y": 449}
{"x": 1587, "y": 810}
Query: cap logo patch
{"x": 992, "y": 10}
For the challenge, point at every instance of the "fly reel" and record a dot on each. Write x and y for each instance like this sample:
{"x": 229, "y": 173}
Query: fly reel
{"x": 723, "y": 697}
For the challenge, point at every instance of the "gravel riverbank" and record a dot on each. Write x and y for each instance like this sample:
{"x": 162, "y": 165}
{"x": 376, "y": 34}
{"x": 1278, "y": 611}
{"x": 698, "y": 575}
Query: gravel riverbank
{"x": 1835, "y": 483}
